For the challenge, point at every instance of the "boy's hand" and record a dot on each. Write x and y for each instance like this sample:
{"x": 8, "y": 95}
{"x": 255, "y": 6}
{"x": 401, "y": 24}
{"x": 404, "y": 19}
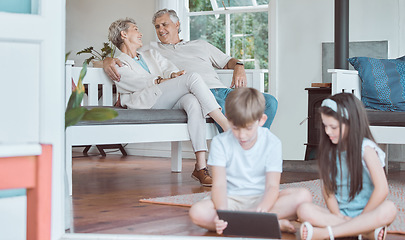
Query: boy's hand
{"x": 261, "y": 208}
{"x": 220, "y": 225}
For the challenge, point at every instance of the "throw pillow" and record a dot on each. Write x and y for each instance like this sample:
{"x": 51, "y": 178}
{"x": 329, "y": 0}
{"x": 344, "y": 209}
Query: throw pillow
{"x": 383, "y": 82}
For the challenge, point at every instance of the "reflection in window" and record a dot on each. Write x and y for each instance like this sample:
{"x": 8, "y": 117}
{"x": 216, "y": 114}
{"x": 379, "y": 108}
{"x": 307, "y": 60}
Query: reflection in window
{"x": 210, "y": 29}
{"x": 240, "y": 31}
{"x": 19, "y": 6}
{"x": 210, "y": 5}
{"x": 249, "y": 39}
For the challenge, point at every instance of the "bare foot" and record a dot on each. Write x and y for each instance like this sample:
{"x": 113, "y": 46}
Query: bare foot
{"x": 286, "y": 226}
{"x": 381, "y": 234}
{"x": 304, "y": 232}
{"x": 317, "y": 233}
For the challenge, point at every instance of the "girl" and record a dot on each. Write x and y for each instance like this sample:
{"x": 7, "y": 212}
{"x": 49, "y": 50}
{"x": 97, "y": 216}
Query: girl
{"x": 351, "y": 169}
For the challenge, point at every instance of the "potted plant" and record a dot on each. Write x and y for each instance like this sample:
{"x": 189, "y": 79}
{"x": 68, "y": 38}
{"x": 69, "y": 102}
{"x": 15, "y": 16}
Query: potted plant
{"x": 97, "y": 57}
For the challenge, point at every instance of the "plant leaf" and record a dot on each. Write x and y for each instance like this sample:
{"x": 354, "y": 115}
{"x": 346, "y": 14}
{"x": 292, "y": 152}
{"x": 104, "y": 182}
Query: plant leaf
{"x": 75, "y": 99}
{"x": 100, "y": 114}
{"x": 67, "y": 55}
{"x": 77, "y": 94}
{"x": 88, "y": 60}
{"x": 106, "y": 50}
{"x": 86, "y": 50}
{"x": 81, "y": 77}
{"x": 74, "y": 115}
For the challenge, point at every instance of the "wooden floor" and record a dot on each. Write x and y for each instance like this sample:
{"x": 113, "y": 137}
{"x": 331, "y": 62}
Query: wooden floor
{"x": 106, "y": 193}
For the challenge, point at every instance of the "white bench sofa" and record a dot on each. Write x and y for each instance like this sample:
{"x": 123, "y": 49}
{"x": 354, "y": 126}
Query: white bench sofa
{"x": 135, "y": 125}
{"x": 386, "y": 127}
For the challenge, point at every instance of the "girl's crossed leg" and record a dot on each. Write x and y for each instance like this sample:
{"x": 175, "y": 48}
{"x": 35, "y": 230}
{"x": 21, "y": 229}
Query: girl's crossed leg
{"x": 364, "y": 224}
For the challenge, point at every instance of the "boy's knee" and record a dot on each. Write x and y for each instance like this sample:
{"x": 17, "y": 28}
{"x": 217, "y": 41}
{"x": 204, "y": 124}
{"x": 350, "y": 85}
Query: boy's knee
{"x": 303, "y": 196}
{"x": 194, "y": 213}
{"x": 200, "y": 216}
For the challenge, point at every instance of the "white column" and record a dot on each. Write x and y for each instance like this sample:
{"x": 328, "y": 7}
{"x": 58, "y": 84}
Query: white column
{"x": 273, "y": 51}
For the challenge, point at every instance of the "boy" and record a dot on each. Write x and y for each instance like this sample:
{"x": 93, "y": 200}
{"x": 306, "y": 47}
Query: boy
{"x": 246, "y": 167}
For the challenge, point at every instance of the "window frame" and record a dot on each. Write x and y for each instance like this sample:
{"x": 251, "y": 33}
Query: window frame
{"x": 227, "y": 12}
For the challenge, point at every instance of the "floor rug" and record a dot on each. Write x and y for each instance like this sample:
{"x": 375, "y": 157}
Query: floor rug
{"x": 397, "y": 195}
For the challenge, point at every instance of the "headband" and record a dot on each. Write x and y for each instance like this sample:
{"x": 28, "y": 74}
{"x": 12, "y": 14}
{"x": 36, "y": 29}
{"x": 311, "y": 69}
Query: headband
{"x": 333, "y": 105}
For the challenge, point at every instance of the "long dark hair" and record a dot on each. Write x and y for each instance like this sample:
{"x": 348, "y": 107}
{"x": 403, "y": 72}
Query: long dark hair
{"x": 356, "y": 129}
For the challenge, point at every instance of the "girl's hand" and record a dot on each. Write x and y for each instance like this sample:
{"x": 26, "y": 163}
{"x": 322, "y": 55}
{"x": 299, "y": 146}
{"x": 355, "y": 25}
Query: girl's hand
{"x": 174, "y": 75}
{"x": 343, "y": 216}
{"x": 220, "y": 225}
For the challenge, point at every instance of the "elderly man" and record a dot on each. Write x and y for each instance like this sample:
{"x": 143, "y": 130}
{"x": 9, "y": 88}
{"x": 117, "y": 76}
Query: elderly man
{"x": 196, "y": 56}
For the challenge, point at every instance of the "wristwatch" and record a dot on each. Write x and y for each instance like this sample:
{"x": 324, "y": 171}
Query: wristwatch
{"x": 239, "y": 63}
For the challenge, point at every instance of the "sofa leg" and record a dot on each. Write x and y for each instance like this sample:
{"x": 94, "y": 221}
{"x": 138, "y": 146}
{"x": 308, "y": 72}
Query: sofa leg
{"x": 176, "y": 157}
{"x": 68, "y": 166}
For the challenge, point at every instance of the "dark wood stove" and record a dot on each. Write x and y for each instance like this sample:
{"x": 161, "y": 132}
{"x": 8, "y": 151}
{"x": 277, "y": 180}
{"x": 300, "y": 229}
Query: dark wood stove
{"x": 315, "y": 97}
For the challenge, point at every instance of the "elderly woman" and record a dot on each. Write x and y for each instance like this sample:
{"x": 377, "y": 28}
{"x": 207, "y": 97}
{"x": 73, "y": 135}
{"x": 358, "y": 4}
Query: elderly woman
{"x": 149, "y": 81}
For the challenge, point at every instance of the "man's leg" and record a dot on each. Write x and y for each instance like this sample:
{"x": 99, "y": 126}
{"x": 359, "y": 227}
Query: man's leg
{"x": 220, "y": 95}
{"x": 270, "y": 110}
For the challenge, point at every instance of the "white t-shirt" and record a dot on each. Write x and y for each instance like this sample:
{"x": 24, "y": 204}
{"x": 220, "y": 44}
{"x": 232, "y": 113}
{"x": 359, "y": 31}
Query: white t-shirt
{"x": 246, "y": 169}
{"x": 195, "y": 56}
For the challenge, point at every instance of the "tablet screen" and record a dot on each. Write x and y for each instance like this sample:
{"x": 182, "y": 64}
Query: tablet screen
{"x": 254, "y": 224}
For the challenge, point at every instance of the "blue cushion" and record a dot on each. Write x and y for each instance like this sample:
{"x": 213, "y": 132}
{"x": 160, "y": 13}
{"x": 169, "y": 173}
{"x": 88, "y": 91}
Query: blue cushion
{"x": 383, "y": 82}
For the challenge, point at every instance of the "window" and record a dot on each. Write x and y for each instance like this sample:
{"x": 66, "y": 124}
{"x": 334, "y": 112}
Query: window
{"x": 19, "y": 6}
{"x": 237, "y": 27}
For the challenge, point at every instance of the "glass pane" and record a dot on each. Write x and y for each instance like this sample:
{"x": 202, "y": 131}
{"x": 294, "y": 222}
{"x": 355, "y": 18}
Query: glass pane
{"x": 249, "y": 39}
{"x": 19, "y": 6}
{"x": 262, "y": 2}
{"x": 241, "y": 3}
{"x": 205, "y": 5}
{"x": 209, "y": 28}
{"x": 200, "y": 5}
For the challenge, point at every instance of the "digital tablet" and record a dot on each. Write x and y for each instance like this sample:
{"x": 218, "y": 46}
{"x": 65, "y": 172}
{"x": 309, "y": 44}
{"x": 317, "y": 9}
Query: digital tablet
{"x": 253, "y": 224}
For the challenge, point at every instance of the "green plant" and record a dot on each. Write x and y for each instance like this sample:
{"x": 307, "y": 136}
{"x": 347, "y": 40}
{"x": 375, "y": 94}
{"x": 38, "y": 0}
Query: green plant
{"x": 75, "y": 113}
{"x": 107, "y": 50}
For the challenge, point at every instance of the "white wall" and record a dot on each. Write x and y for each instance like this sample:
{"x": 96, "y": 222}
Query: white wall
{"x": 87, "y": 22}
{"x": 301, "y": 27}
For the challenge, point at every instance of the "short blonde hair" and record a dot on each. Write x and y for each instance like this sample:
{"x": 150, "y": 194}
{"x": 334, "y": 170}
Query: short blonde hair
{"x": 244, "y": 106}
{"x": 115, "y": 29}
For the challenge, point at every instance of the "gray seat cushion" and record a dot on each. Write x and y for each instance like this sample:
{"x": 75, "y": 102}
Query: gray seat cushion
{"x": 383, "y": 118}
{"x": 143, "y": 116}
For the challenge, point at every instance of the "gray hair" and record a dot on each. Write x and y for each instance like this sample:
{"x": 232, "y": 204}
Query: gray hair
{"x": 115, "y": 29}
{"x": 172, "y": 14}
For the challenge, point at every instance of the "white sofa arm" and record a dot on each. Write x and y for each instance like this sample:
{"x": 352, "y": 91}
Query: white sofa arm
{"x": 255, "y": 77}
{"x": 346, "y": 81}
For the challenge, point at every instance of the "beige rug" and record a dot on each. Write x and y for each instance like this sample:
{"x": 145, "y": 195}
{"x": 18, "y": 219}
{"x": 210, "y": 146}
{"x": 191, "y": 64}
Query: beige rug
{"x": 397, "y": 195}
